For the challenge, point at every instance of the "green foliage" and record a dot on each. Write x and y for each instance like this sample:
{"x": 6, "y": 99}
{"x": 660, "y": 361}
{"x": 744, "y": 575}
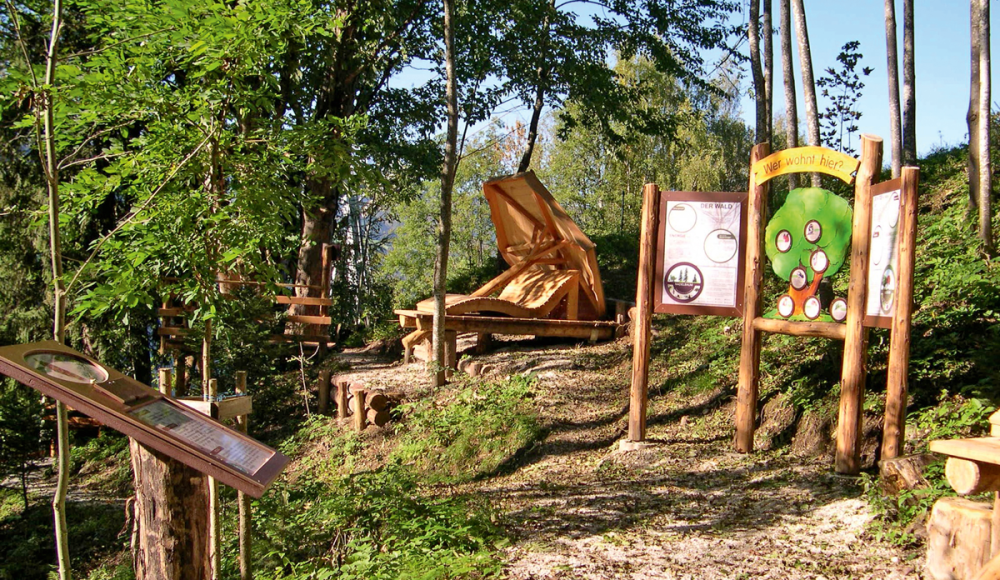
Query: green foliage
{"x": 372, "y": 525}
{"x": 896, "y": 516}
{"x": 20, "y": 430}
{"x": 802, "y": 205}
{"x": 478, "y": 428}
{"x": 954, "y": 417}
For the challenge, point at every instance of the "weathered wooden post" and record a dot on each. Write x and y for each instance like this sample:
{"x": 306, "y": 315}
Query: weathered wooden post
{"x": 642, "y": 324}
{"x": 341, "y": 398}
{"x": 360, "y": 416}
{"x": 854, "y": 372}
{"x": 746, "y": 397}
{"x": 214, "y": 541}
{"x": 171, "y": 514}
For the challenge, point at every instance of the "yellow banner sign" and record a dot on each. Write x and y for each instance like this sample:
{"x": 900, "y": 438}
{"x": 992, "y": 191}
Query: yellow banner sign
{"x": 806, "y": 159}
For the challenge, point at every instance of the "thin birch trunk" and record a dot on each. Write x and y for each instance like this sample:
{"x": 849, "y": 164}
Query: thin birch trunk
{"x": 768, "y": 33}
{"x": 892, "y": 71}
{"x": 909, "y": 88}
{"x": 759, "y": 87}
{"x": 808, "y": 83}
{"x": 972, "y": 117}
{"x": 985, "y": 164}
{"x": 788, "y": 72}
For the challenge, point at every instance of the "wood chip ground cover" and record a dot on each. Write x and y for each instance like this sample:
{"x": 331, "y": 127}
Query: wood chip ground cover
{"x": 685, "y": 507}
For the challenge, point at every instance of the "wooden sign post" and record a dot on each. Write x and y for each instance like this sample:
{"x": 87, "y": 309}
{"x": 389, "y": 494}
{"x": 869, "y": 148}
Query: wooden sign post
{"x": 808, "y": 238}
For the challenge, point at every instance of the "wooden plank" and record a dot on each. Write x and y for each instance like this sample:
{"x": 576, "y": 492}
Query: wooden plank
{"x": 501, "y": 280}
{"x": 984, "y": 449}
{"x": 832, "y": 330}
{"x": 639, "y": 390}
{"x": 498, "y": 325}
{"x": 893, "y": 435}
{"x": 502, "y": 240}
{"x": 747, "y": 390}
{"x": 304, "y": 319}
{"x": 854, "y": 372}
{"x": 172, "y": 331}
{"x": 303, "y": 300}
{"x": 174, "y": 311}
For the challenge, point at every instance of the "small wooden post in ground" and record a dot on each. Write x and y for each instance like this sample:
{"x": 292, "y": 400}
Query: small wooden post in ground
{"x": 360, "y": 417}
{"x": 852, "y": 386}
{"x": 171, "y": 512}
{"x": 324, "y": 392}
{"x": 341, "y": 399}
{"x": 644, "y": 316}
{"x": 243, "y": 425}
{"x": 746, "y": 397}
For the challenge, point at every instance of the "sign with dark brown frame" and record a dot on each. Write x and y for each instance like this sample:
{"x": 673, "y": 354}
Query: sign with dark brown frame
{"x": 700, "y": 253}
{"x": 143, "y": 413}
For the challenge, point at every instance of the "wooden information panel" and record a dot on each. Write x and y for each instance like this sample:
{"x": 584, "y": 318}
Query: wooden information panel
{"x": 883, "y": 259}
{"x": 144, "y": 414}
{"x": 700, "y": 253}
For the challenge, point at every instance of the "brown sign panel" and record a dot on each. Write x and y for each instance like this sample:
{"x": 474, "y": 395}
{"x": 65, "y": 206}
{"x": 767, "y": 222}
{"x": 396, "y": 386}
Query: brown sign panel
{"x": 700, "y": 253}
{"x": 143, "y": 413}
{"x": 883, "y": 253}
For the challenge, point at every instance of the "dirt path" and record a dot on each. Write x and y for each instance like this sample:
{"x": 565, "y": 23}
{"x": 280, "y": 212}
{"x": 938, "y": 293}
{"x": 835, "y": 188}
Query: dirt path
{"x": 685, "y": 507}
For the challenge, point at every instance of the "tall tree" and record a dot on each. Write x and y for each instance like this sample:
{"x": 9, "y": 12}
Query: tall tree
{"x": 788, "y": 73}
{"x": 909, "y": 88}
{"x": 892, "y": 71}
{"x": 808, "y": 84}
{"x": 762, "y": 134}
{"x": 768, "y": 33}
{"x": 972, "y": 116}
{"x": 985, "y": 163}
{"x": 447, "y": 184}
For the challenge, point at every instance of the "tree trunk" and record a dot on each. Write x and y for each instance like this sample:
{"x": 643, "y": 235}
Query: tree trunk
{"x": 447, "y": 183}
{"x": 759, "y": 86}
{"x": 892, "y": 71}
{"x": 536, "y": 110}
{"x": 808, "y": 83}
{"x": 59, "y": 295}
{"x": 972, "y": 117}
{"x": 317, "y": 229}
{"x": 909, "y": 88}
{"x": 985, "y": 165}
{"x": 171, "y": 518}
{"x": 788, "y": 72}
{"x": 768, "y": 33}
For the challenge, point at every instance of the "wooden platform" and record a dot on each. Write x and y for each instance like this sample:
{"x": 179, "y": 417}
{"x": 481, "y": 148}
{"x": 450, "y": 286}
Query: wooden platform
{"x": 592, "y": 330}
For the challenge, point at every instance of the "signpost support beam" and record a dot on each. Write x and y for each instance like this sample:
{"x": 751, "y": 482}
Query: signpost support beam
{"x": 171, "y": 512}
{"x": 214, "y": 541}
{"x": 893, "y": 434}
{"x": 642, "y": 325}
{"x": 852, "y": 387}
{"x": 746, "y": 397}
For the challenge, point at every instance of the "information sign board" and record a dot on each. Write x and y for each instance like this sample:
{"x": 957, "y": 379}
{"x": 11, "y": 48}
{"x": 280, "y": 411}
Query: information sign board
{"x": 144, "y": 414}
{"x": 883, "y": 256}
{"x": 700, "y": 253}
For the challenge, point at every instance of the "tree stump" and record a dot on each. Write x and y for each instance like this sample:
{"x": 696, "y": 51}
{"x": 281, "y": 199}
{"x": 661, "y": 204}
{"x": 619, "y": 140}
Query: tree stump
{"x": 958, "y": 542}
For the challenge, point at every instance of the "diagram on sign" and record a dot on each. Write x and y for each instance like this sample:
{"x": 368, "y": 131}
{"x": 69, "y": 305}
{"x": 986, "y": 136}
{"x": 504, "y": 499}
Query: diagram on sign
{"x": 884, "y": 254}
{"x": 699, "y": 262}
{"x": 807, "y": 241}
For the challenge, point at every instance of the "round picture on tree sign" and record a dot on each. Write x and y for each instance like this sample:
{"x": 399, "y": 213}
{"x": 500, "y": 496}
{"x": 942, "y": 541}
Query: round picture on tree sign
{"x": 838, "y": 309}
{"x": 684, "y": 282}
{"x": 813, "y": 231}
{"x": 888, "y": 293}
{"x": 682, "y": 218}
{"x": 65, "y": 367}
{"x": 812, "y": 308}
{"x": 819, "y": 261}
{"x": 798, "y": 278}
{"x": 786, "y": 306}
{"x": 721, "y": 246}
{"x": 783, "y": 241}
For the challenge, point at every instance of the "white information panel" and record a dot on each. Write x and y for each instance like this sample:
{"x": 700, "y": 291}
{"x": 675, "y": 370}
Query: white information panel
{"x": 204, "y": 434}
{"x": 883, "y": 258}
{"x": 700, "y": 259}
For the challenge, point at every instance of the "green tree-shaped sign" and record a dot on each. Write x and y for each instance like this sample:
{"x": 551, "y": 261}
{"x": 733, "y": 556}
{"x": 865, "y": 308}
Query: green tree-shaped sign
{"x": 808, "y": 239}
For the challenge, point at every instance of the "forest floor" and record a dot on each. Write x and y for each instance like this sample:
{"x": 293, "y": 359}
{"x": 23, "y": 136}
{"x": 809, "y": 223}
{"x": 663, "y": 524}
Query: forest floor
{"x": 685, "y": 506}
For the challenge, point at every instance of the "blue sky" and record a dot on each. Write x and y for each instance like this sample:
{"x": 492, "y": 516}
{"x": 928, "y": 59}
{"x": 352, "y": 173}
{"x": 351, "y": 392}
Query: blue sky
{"x": 941, "y": 39}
